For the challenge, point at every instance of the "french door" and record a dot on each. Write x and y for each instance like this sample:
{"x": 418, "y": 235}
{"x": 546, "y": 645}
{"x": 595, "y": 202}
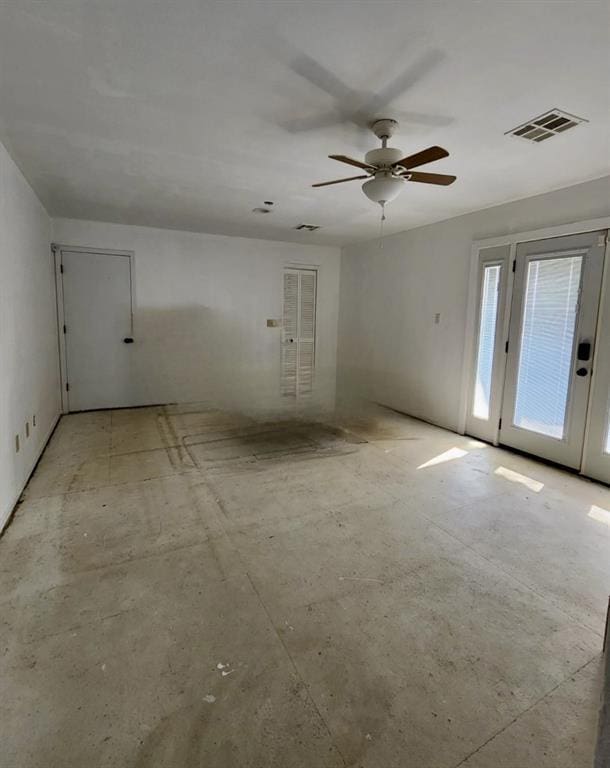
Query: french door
{"x": 551, "y": 345}
{"x": 541, "y": 380}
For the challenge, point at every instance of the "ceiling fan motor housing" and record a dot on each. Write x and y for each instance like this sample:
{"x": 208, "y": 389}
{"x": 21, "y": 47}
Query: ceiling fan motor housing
{"x": 383, "y": 157}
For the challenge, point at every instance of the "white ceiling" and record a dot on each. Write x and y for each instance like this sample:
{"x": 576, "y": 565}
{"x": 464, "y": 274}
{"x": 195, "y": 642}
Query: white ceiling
{"x": 188, "y": 114}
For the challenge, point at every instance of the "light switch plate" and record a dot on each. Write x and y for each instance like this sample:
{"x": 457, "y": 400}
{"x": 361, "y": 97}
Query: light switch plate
{"x": 273, "y": 322}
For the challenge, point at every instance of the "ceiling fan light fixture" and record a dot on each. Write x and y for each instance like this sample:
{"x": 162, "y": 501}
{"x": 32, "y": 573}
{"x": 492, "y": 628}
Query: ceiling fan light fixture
{"x": 383, "y": 188}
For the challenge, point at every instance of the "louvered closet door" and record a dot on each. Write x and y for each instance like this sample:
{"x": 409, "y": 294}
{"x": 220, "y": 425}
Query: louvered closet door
{"x": 298, "y": 332}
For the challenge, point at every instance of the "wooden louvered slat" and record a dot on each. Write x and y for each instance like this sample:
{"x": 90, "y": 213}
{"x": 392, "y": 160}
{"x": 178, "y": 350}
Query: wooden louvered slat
{"x": 289, "y": 361}
{"x": 307, "y": 331}
{"x": 307, "y": 305}
{"x": 306, "y": 367}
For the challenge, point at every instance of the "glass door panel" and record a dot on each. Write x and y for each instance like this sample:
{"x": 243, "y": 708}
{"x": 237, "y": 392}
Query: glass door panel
{"x": 547, "y": 344}
{"x": 553, "y": 321}
{"x": 485, "y": 386}
{"x": 488, "y": 314}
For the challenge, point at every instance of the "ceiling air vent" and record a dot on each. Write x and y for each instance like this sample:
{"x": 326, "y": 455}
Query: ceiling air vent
{"x": 308, "y": 227}
{"x": 549, "y": 124}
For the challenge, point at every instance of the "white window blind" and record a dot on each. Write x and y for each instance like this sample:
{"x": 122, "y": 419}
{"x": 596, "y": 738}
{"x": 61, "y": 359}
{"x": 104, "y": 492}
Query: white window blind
{"x": 547, "y": 342}
{"x": 488, "y": 314}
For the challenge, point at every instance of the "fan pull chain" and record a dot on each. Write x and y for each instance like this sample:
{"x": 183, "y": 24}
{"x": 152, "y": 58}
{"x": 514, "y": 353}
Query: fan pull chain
{"x": 381, "y": 225}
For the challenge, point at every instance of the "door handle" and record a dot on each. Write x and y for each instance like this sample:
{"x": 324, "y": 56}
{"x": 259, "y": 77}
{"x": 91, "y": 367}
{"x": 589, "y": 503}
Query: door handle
{"x": 582, "y": 372}
{"x": 584, "y": 350}
{"x": 127, "y": 340}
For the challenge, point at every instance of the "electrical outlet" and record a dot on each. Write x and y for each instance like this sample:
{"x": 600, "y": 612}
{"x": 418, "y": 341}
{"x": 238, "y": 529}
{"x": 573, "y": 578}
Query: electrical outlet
{"x": 16, "y": 443}
{"x": 34, "y": 420}
{"x": 27, "y": 428}
{"x": 437, "y": 318}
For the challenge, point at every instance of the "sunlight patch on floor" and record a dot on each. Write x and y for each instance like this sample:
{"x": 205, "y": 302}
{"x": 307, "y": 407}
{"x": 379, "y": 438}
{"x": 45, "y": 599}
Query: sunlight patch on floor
{"x": 517, "y": 477}
{"x": 600, "y": 514}
{"x": 450, "y": 455}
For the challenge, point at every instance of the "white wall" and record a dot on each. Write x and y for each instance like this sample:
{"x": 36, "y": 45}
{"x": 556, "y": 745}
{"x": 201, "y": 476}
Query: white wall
{"x": 390, "y": 349}
{"x": 201, "y": 307}
{"x": 29, "y": 371}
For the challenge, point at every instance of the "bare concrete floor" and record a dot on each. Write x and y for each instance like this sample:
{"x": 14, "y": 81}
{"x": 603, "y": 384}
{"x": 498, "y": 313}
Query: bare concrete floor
{"x": 189, "y": 588}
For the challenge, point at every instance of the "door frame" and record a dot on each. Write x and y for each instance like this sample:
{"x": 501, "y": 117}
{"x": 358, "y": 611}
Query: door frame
{"x": 58, "y": 249}
{"x": 470, "y": 348}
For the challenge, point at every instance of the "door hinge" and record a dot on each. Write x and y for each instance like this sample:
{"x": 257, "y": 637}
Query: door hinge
{"x": 61, "y": 268}
{"x": 67, "y": 387}
{"x": 500, "y": 424}
{"x": 514, "y": 264}
{"x": 505, "y": 346}
{"x": 65, "y": 329}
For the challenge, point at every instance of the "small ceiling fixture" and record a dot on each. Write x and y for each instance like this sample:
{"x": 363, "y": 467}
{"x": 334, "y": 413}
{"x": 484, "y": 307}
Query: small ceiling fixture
{"x": 544, "y": 126}
{"x": 387, "y": 169}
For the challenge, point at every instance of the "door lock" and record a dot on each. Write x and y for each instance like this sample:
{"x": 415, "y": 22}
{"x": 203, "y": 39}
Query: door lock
{"x": 584, "y": 350}
{"x": 582, "y": 372}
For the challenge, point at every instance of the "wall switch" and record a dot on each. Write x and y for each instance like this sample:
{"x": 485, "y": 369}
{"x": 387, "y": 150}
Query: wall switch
{"x": 34, "y": 420}
{"x": 273, "y": 322}
{"x": 27, "y": 428}
{"x": 16, "y": 443}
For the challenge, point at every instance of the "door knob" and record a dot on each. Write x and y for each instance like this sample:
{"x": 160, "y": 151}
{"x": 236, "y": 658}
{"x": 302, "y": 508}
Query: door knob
{"x": 582, "y": 372}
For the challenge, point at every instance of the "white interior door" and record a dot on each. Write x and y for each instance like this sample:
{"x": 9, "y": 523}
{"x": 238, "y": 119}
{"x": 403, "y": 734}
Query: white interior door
{"x": 551, "y": 339}
{"x": 98, "y": 326}
{"x": 298, "y": 332}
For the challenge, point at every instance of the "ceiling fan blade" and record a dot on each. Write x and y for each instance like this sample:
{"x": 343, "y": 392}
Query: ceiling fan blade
{"x": 430, "y": 178}
{"x": 403, "y": 82}
{"x": 338, "y": 181}
{"x": 351, "y": 161}
{"x": 425, "y": 156}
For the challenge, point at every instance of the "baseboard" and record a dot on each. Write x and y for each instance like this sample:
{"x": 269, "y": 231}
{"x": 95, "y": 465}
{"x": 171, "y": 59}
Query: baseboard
{"x": 8, "y": 512}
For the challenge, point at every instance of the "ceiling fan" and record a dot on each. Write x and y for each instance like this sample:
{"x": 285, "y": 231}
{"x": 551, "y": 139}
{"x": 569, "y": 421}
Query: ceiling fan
{"x": 387, "y": 170}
